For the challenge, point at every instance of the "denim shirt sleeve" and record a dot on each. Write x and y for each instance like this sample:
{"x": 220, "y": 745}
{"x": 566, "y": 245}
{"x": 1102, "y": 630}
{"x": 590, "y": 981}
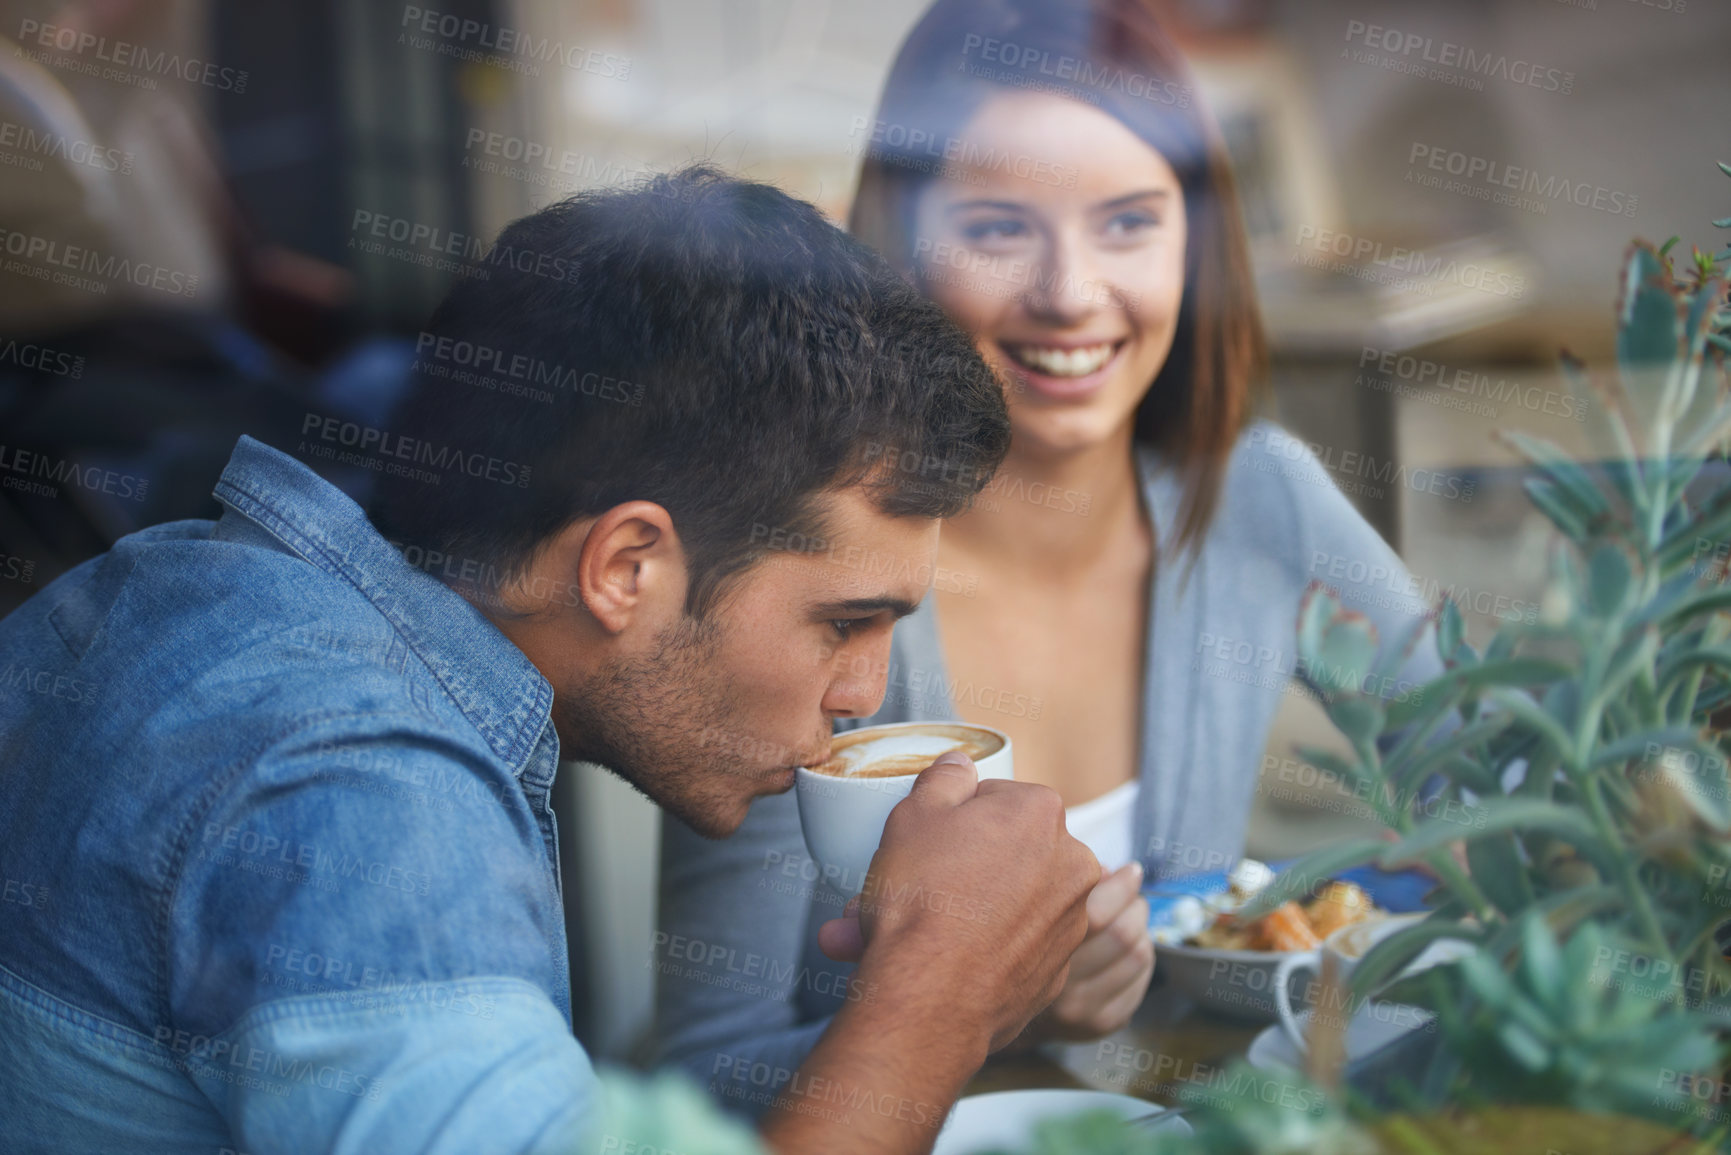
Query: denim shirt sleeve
{"x": 358, "y": 966}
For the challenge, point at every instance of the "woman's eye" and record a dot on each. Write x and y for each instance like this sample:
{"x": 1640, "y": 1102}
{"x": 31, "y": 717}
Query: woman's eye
{"x": 994, "y": 230}
{"x": 1131, "y": 222}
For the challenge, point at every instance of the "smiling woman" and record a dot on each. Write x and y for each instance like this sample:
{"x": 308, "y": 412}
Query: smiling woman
{"x": 1078, "y": 288}
{"x": 1042, "y": 170}
{"x": 1038, "y": 109}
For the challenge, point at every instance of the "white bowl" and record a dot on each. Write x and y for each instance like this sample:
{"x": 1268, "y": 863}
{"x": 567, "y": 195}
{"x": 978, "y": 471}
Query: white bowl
{"x": 1004, "y": 1120}
{"x": 1236, "y": 983}
{"x": 1373, "y": 1026}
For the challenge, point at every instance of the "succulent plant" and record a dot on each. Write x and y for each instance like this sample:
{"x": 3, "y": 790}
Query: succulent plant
{"x": 1561, "y": 1027}
{"x": 665, "y": 1114}
{"x": 1580, "y": 759}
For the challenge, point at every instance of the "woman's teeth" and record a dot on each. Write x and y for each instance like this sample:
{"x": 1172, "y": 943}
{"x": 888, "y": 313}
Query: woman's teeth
{"x": 1062, "y": 362}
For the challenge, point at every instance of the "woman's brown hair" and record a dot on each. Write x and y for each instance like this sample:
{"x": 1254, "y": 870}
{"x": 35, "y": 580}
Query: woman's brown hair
{"x": 1113, "y": 55}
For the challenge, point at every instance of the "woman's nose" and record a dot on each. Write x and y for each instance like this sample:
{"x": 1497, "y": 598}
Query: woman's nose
{"x": 1062, "y": 286}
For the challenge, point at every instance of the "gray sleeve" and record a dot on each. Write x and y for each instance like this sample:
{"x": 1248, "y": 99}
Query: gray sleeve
{"x": 735, "y": 977}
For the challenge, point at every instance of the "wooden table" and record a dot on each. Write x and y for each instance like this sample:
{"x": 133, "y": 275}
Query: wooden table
{"x": 1169, "y": 1043}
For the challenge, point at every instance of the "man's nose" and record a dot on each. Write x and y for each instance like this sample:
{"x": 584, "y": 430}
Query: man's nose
{"x": 858, "y": 677}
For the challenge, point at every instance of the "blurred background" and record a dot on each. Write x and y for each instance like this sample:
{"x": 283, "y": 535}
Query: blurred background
{"x": 217, "y": 217}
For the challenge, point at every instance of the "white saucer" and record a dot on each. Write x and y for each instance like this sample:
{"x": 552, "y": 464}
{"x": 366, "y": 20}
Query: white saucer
{"x": 1004, "y": 1120}
{"x": 1375, "y": 1025}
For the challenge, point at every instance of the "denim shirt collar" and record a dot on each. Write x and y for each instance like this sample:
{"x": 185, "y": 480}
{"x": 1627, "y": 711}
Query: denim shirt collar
{"x": 488, "y": 678}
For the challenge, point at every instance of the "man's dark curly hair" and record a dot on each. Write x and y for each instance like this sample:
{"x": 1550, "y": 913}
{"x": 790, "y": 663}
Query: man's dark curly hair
{"x": 702, "y": 342}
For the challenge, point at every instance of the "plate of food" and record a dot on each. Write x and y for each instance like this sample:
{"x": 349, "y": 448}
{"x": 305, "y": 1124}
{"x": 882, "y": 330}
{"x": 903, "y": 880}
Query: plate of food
{"x": 1226, "y": 963}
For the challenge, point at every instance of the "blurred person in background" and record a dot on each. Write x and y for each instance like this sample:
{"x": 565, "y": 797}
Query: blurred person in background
{"x": 123, "y": 163}
{"x": 1044, "y": 170}
{"x": 146, "y": 322}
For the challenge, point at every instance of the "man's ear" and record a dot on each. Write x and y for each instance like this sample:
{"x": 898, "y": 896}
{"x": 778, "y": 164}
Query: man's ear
{"x": 629, "y": 563}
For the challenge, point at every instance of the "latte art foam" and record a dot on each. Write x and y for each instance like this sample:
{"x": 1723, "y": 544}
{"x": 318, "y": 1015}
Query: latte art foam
{"x": 893, "y": 752}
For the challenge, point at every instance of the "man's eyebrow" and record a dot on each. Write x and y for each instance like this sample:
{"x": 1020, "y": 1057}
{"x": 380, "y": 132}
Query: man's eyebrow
{"x": 900, "y": 607}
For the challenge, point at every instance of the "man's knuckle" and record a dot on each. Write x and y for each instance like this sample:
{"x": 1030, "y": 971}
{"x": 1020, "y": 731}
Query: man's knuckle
{"x": 1127, "y": 935}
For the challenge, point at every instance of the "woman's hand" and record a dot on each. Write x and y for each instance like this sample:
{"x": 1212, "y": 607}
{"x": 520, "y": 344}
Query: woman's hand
{"x": 1109, "y": 972}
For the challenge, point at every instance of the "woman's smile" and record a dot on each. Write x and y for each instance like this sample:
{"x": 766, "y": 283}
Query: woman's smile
{"x": 1077, "y": 294}
{"x": 1062, "y": 372}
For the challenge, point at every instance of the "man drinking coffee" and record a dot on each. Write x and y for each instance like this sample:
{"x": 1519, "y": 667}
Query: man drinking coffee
{"x": 282, "y": 778}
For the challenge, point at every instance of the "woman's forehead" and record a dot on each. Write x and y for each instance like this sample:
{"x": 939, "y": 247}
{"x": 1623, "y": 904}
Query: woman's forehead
{"x": 1025, "y": 144}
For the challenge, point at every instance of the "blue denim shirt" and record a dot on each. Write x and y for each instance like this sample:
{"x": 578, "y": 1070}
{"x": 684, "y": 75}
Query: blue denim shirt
{"x": 279, "y": 867}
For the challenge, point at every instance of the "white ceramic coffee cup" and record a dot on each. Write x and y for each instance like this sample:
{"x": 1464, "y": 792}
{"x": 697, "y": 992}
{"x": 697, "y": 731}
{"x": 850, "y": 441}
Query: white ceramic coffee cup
{"x": 843, "y": 817}
{"x": 1338, "y": 957}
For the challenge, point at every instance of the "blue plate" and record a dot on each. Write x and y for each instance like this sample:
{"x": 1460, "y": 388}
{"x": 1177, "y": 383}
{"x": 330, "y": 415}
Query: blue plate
{"x": 1396, "y": 891}
{"x": 1165, "y": 894}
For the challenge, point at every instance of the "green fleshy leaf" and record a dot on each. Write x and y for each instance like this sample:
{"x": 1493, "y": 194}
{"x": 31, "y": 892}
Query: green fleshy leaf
{"x": 1705, "y": 657}
{"x": 1359, "y": 717}
{"x": 1493, "y": 816}
{"x": 1541, "y": 962}
{"x": 1715, "y": 601}
{"x": 1550, "y": 502}
{"x": 1495, "y": 863}
{"x": 1648, "y": 327}
{"x": 1562, "y": 911}
{"x": 1423, "y": 705}
{"x": 1463, "y": 772}
{"x": 1704, "y": 785}
{"x": 1512, "y": 672}
{"x": 1539, "y": 778}
{"x": 1450, "y": 630}
{"x": 1464, "y": 739}
{"x": 1567, "y": 476}
{"x": 1703, "y": 307}
{"x": 668, "y": 1112}
{"x": 1392, "y": 955}
{"x": 1610, "y": 578}
{"x": 1538, "y": 718}
{"x": 1698, "y": 538}
{"x": 1347, "y": 769}
{"x": 1636, "y": 656}
{"x": 1523, "y": 1046}
{"x": 1318, "y": 607}
{"x": 1344, "y": 654}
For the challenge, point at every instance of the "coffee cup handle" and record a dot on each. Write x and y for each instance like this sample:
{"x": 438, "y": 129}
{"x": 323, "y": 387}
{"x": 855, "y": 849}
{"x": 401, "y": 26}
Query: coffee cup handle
{"x": 1283, "y": 971}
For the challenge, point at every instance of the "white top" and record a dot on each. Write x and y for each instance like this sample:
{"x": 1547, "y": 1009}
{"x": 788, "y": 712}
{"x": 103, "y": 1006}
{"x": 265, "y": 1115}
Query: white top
{"x": 1103, "y": 824}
